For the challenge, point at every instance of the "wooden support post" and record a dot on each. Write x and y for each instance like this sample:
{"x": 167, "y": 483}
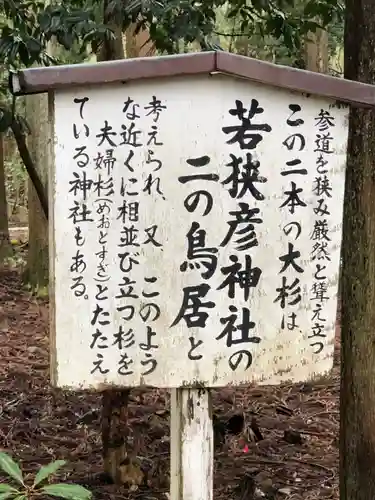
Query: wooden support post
{"x": 192, "y": 451}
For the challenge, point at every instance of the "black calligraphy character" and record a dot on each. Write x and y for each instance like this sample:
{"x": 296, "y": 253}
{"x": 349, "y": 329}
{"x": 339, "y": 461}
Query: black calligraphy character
{"x": 155, "y": 106}
{"x": 294, "y": 171}
{"x": 82, "y": 101}
{"x": 129, "y": 237}
{"x": 105, "y": 134}
{"x": 191, "y": 305}
{"x": 291, "y": 226}
{"x": 109, "y": 160}
{"x": 244, "y": 328}
{"x": 98, "y": 365}
{"x": 98, "y": 335}
{"x": 102, "y": 238}
{"x": 81, "y": 157}
{"x": 293, "y": 200}
{"x": 290, "y": 142}
{"x": 78, "y": 184}
{"x": 130, "y": 136}
{"x": 127, "y": 312}
{"x": 236, "y": 358}
{"x": 123, "y": 192}
{"x": 245, "y": 133}
{"x": 131, "y": 261}
{"x": 192, "y": 201}
{"x": 76, "y": 134}
{"x": 152, "y": 362}
{"x": 197, "y": 251}
{"x": 323, "y": 144}
{"x": 293, "y": 291}
{"x": 128, "y": 211}
{"x": 321, "y": 210}
{"x": 149, "y": 161}
{"x": 198, "y": 162}
{"x": 247, "y": 177}
{"x": 320, "y": 269}
{"x": 103, "y": 187}
{"x": 104, "y": 223}
{"x": 152, "y": 136}
{"x": 102, "y": 253}
{"x": 79, "y": 264}
{"x": 80, "y": 213}
{"x": 150, "y": 182}
{"x": 322, "y": 187}
{"x": 126, "y": 282}
{"x": 103, "y": 206}
{"x": 317, "y": 330}
{"x": 320, "y": 252}
{"x": 101, "y": 291}
{"x": 243, "y": 225}
{"x": 246, "y": 278}
{"x": 295, "y": 108}
{"x": 80, "y": 240}
{"x": 151, "y": 231}
{"x": 321, "y": 162}
{"x": 320, "y": 347}
{"x": 320, "y": 231}
{"x": 194, "y": 345}
{"x": 150, "y": 295}
{"x": 123, "y": 340}
{"x": 99, "y": 311}
{"x": 319, "y": 290}
{"x": 146, "y": 310}
{"x": 78, "y": 287}
{"x": 289, "y": 259}
{"x": 148, "y": 345}
{"x": 124, "y": 364}
{"x": 316, "y": 316}
{"x": 324, "y": 120}
{"x": 247, "y": 325}
{"x": 132, "y": 115}
{"x": 291, "y": 325}
{"x": 127, "y": 161}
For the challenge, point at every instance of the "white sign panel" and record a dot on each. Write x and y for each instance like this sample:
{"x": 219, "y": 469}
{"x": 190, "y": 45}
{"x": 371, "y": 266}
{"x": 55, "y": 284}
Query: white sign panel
{"x": 196, "y": 233}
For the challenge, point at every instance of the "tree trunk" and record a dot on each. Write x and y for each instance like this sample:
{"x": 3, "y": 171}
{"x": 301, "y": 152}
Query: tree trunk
{"x": 316, "y": 51}
{"x": 138, "y": 45}
{"x": 357, "y": 464}
{"x": 5, "y": 246}
{"x": 38, "y": 145}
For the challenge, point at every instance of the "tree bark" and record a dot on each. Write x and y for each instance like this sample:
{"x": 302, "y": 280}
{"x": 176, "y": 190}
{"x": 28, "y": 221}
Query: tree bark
{"x": 357, "y": 461}
{"x": 38, "y": 145}
{"x": 138, "y": 45}
{"x": 316, "y": 51}
{"x": 5, "y": 246}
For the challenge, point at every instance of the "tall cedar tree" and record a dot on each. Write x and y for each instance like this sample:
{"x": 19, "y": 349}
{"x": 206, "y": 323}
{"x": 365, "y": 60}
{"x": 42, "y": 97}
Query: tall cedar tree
{"x": 358, "y": 286}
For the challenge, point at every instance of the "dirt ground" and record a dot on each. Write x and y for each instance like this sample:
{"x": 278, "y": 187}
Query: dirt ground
{"x": 292, "y": 430}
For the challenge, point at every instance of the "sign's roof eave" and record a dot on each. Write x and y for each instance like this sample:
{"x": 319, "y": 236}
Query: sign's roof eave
{"x": 45, "y": 79}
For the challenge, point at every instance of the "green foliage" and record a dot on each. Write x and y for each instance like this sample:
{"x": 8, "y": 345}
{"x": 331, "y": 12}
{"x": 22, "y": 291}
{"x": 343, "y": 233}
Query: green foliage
{"x": 25, "y": 492}
{"x": 27, "y": 26}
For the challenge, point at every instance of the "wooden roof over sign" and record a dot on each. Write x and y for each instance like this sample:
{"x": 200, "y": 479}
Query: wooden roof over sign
{"x": 44, "y": 79}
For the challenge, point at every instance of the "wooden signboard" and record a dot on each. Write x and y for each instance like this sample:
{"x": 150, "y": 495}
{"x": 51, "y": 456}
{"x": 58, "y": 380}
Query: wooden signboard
{"x": 195, "y": 230}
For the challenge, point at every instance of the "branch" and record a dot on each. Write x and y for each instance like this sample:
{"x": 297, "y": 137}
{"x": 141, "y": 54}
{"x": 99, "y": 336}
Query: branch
{"x": 30, "y": 167}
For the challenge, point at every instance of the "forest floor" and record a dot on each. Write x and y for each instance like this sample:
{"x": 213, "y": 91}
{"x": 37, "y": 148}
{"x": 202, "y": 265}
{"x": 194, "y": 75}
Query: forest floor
{"x": 295, "y": 455}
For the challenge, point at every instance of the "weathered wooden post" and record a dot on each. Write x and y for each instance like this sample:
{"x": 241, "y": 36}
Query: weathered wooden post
{"x": 196, "y": 206}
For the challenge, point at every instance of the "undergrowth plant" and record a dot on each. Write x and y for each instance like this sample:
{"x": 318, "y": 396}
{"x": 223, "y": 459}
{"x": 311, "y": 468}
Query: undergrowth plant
{"x": 22, "y": 491}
